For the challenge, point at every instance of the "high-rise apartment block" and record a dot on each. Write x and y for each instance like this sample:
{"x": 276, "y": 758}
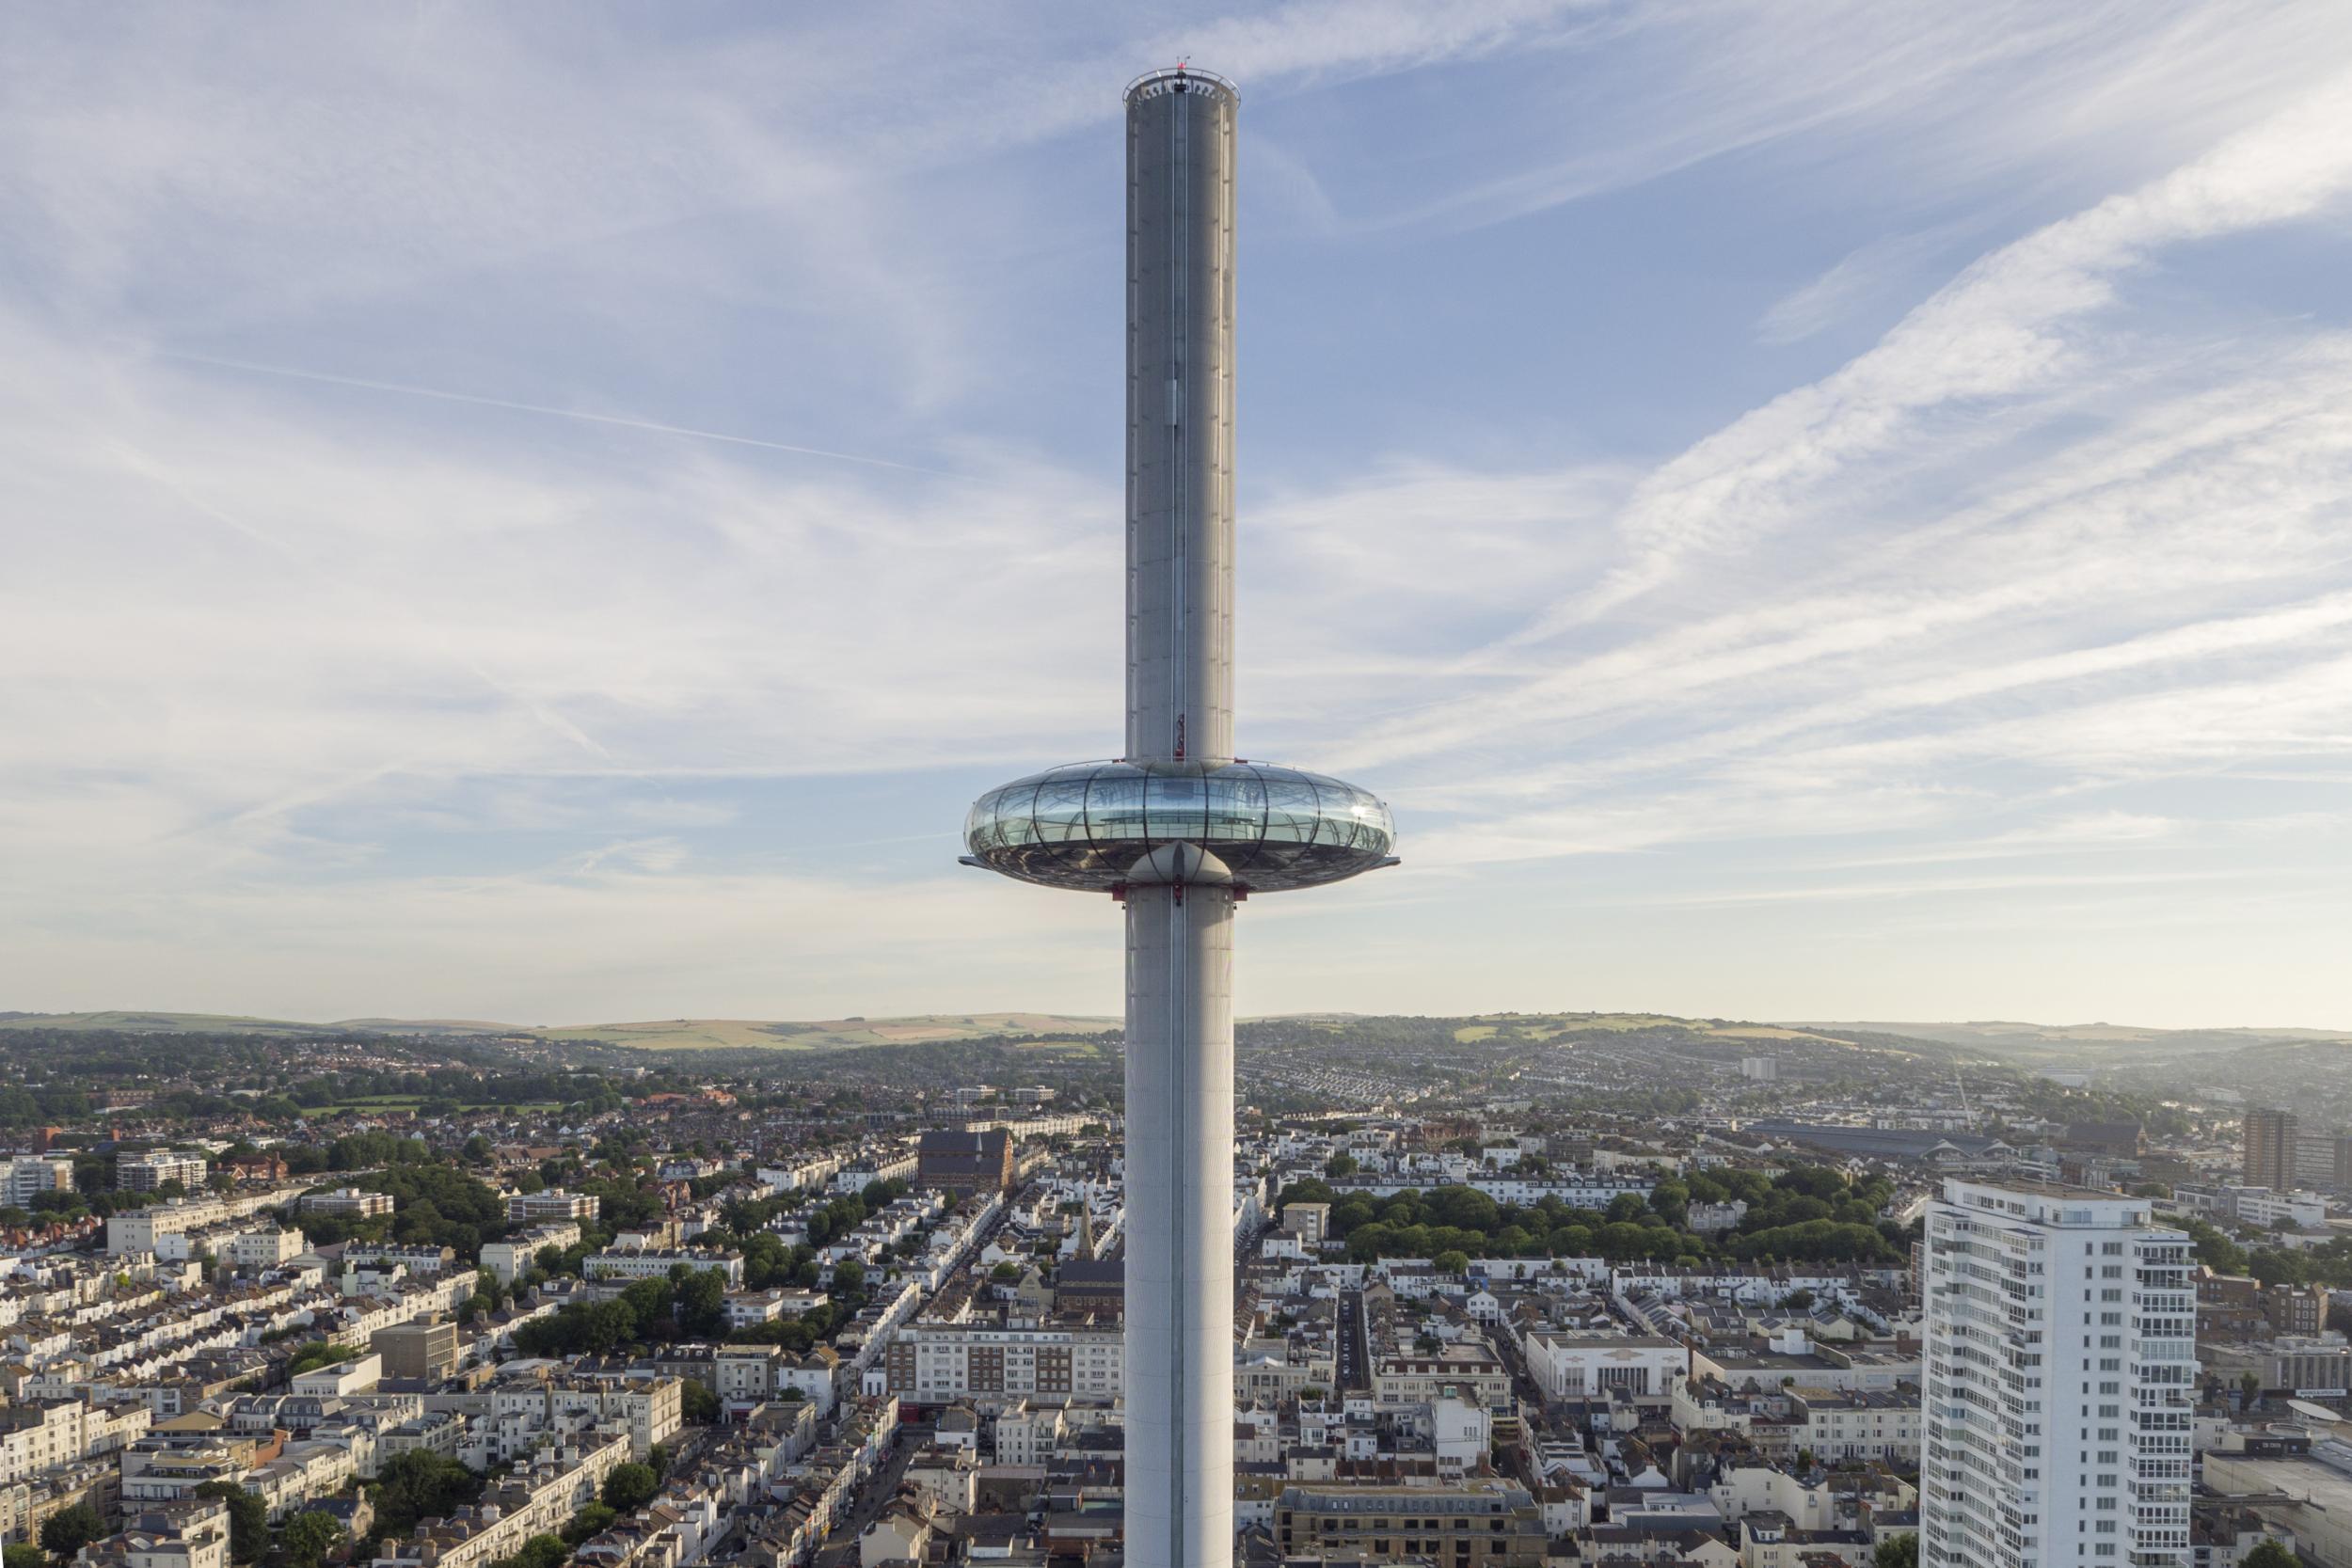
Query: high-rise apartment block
{"x": 2060, "y": 1378}
{"x": 30, "y": 1175}
{"x": 2270, "y": 1150}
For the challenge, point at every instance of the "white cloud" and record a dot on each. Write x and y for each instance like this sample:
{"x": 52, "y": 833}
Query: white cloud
{"x": 341, "y": 698}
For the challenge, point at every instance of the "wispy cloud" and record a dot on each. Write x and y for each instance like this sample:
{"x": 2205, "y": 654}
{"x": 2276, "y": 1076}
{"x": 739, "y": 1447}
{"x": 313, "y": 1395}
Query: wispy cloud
{"x": 539, "y": 521}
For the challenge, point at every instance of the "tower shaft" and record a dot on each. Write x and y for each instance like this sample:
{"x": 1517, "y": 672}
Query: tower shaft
{"x": 1178, "y": 828}
{"x": 1180, "y": 1228}
{"x": 1180, "y": 423}
{"x": 1180, "y": 708}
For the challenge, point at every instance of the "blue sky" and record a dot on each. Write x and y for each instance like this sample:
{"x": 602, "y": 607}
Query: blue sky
{"x": 551, "y": 513}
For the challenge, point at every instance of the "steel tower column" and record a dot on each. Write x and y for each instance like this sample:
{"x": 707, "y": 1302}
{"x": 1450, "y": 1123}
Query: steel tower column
{"x": 1177, "y": 827}
{"x": 1180, "y": 708}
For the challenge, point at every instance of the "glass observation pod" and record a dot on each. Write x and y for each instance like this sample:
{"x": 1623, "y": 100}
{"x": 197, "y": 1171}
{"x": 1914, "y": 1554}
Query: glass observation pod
{"x": 1088, "y": 825}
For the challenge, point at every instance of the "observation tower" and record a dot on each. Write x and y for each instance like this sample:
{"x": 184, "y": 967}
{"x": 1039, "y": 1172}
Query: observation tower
{"x": 1180, "y": 829}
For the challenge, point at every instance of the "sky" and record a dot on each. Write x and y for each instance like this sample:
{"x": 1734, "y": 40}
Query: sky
{"x": 550, "y": 513}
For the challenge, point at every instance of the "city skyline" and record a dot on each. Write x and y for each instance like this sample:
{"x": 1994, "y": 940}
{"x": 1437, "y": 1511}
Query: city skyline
{"x": 553, "y": 521}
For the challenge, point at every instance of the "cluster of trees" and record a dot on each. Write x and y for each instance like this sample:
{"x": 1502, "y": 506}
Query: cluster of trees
{"x": 317, "y": 1354}
{"x": 436, "y": 1204}
{"x": 691, "y": 1304}
{"x": 629, "y": 1487}
{"x": 2329, "y": 1263}
{"x": 1809, "y": 1213}
{"x": 417, "y": 1486}
{"x": 40, "y": 1107}
{"x": 67, "y": 1530}
{"x": 804, "y": 1333}
{"x": 845, "y": 1213}
{"x": 540, "y": 1551}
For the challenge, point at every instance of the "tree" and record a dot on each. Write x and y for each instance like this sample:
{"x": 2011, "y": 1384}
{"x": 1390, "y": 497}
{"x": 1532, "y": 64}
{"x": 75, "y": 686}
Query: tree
{"x": 1453, "y": 1262}
{"x": 23, "y": 1557}
{"x": 249, "y": 1519}
{"x": 2214, "y": 1250}
{"x": 421, "y": 1484}
{"x": 589, "y": 1522}
{"x": 70, "y": 1530}
{"x": 1898, "y": 1551}
{"x": 702, "y": 1303}
{"x": 1342, "y": 1163}
{"x": 1006, "y": 1272}
{"x": 317, "y": 1353}
{"x": 696, "y": 1402}
{"x": 309, "y": 1536}
{"x": 631, "y": 1487}
{"x": 848, "y": 1277}
{"x": 540, "y": 1551}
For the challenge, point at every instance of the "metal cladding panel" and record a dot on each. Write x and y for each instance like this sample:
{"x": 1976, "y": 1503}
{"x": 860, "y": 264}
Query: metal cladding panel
{"x": 1179, "y": 1228}
{"x": 1180, "y": 423}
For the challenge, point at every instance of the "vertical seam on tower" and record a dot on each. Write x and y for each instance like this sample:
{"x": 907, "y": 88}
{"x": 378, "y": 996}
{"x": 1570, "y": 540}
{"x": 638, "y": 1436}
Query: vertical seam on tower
{"x": 1178, "y": 919}
{"x": 1179, "y": 493}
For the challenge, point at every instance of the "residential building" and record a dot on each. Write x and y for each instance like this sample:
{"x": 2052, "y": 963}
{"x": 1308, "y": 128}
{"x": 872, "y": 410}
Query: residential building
{"x": 656, "y": 1263}
{"x": 31, "y": 1175}
{"x": 505, "y": 1260}
{"x": 553, "y": 1204}
{"x": 1052, "y": 1363}
{"x": 1482, "y": 1522}
{"x": 2060, "y": 1374}
{"x": 2269, "y": 1137}
{"x": 144, "y": 1173}
{"x": 266, "y": 1248}
{"x": 347, "y": 1203}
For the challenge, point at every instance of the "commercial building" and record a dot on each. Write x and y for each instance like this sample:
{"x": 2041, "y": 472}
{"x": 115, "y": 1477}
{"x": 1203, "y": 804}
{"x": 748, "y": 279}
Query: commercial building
{"x": 1579, "y": 1366}
{"x": 2059, "y": 1381}
{"x": 1482, "y": 1523}
{"x": 424, "y": 1350}
{"x": 1178, "y": 830}
{"x": 2308, "y": 1365}
{"x": 965, "y": 1162}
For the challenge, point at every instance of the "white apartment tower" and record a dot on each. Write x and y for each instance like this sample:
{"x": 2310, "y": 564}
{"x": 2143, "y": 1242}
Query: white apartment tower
{"x": 2061, "y": 1367}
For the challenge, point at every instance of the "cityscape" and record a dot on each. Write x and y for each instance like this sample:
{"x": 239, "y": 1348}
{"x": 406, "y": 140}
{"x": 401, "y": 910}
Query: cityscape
{"x": 1689, "y": 661}
{"x": 1588, "y": 1288}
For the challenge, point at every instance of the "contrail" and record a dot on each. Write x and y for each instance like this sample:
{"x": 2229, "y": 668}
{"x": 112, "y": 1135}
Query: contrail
{"x": 623, "y": 422}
